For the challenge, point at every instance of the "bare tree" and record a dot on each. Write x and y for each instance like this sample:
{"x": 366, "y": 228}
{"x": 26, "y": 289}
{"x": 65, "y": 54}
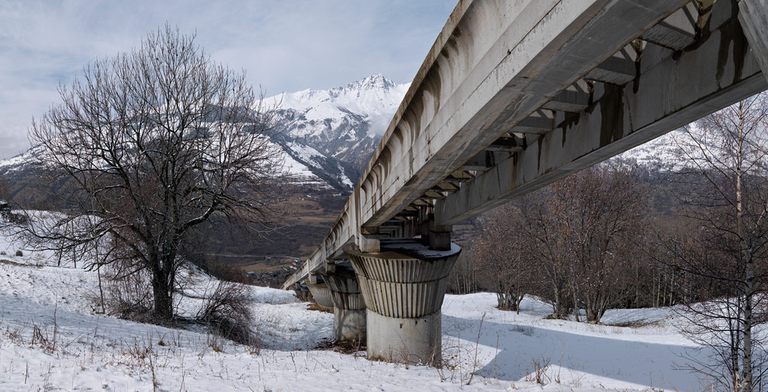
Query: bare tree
{"x": 464, "y": 275}
{"x": 158, "y": 140}
{"x": 500, "y": 252}
{"x": 582, "y": 230}
{"x": 547, "y": 250}
{"x": 728, "y": 201}
{"x": 600, "y": 213}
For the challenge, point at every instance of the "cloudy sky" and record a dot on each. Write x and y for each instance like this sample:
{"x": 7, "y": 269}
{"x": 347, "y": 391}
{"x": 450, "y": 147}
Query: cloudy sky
{"x": 284, "y": 45}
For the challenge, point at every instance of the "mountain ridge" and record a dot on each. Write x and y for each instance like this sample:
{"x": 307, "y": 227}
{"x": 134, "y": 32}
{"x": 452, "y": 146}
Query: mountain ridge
{"x": 327, "y": 135}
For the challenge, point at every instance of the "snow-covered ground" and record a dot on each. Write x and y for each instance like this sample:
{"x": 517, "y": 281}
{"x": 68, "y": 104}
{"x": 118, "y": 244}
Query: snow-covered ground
{"x": 81, "y": 350}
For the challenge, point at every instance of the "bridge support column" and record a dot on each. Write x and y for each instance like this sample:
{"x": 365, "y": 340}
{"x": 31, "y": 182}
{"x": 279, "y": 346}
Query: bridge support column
{"x": 753, "y": 16}
{"x": 404, "y": 285}
{"x": 349, "y": 307}
{"x": 302, "y": 291}
{"x": 321, "y": 293}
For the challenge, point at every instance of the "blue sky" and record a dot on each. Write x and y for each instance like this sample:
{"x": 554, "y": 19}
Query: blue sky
{"x": 283, "y": 45}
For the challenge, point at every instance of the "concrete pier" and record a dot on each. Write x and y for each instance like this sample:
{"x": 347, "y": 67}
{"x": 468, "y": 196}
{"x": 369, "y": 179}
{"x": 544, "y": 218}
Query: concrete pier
{"x": 404, "y": 285}
{"x": 349, "y": 307}
{"x": 321, "y": 293}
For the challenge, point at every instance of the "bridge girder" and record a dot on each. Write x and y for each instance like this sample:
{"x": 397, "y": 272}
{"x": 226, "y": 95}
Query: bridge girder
{"x": 671, "y": 89}
{"x": 498, "y": 107}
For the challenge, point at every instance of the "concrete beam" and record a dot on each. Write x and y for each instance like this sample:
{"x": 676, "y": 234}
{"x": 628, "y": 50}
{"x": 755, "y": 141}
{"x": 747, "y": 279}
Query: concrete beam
{"x": 617, "y": 69}
{"x": 677, "y": 31}
{"x": 480, "y": 162}
{"x": 539, "y": 123}
{"x": 569, "y": 100}
{"x": 506, "y": 144}
{"x": 753, "y": 15}
{"x": 478, "y": 86}
{"x": 673, "y": 92}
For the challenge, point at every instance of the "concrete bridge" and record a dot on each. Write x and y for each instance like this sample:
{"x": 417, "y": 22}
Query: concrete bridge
{"x": 515, "y": 94}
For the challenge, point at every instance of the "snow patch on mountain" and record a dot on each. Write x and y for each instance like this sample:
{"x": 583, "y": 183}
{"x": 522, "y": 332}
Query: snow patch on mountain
{"x": 293, "y": 169}
{"x": 661, "y": 154}
{"x": 375, "y": 97}
{"x": 696, "y": 148}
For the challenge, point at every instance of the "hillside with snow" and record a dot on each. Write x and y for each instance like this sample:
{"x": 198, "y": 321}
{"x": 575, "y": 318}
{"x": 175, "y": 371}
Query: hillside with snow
{"x": 52, "y": 336}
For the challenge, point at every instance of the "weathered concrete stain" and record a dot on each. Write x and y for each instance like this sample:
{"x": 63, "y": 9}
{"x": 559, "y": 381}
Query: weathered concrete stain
{"x": 611, "y": 114}
{"x": 731, "y": 35}
{"x": 540, "y": 144}
{"x": 570, "y": 120}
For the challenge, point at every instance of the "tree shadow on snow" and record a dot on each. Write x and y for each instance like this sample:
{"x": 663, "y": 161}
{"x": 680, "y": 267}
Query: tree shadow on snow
{"x": 649, "y": 364}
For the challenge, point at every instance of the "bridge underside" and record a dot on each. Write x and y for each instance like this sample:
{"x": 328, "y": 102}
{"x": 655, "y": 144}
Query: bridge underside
{"x": 513, "y": 96}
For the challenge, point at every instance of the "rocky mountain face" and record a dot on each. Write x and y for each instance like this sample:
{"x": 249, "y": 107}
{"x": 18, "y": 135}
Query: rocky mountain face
{"x": 333, "y": 132}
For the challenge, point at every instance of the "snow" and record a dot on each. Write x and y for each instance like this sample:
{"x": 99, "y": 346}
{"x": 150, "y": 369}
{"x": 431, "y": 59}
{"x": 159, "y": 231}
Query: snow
{"x": 297, "y": 169}
{"x": 99, "y": 352}
{"x": 14, "y": 161}
{"x": 30, "y": 157}
{"x": 373, "y": 97}
{"x": 677, "y": 150}
{"x": 312, "y": 157}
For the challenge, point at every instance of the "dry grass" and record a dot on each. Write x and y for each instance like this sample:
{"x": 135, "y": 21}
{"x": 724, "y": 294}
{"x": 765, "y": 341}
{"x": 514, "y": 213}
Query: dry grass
{"x": 319, "y": 308}
{"x": 344, "y": 347}
{"x": 15, "y": 264}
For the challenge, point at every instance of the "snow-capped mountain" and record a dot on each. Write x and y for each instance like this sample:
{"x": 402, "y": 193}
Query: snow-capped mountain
{"x": 327, "y": 135}
{"x": 342, "y": 124}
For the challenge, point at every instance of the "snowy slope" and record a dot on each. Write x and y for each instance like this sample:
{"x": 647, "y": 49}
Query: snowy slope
{"x": 501, "y": 349}
{"x": 690, "y": 149}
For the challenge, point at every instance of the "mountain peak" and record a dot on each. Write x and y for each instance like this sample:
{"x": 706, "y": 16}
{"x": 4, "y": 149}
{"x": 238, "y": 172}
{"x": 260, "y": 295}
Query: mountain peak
{"x": 375, "y": 81}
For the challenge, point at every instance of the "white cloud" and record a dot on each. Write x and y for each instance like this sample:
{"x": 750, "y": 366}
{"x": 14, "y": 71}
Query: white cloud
{"x": 283, "y": 45}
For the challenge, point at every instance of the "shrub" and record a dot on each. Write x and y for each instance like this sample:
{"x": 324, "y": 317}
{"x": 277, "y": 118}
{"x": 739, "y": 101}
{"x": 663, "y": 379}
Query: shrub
{"x": 126, "y": 295}
{"x": 227, "y": 312}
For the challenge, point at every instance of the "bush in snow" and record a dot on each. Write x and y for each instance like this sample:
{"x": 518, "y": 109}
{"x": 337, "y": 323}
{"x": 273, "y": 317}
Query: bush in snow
{"x": 228, "y": 313}
{"x": 125, "y": 293}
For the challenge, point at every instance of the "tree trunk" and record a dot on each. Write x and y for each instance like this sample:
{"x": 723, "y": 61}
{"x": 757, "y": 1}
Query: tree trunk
{"x": 592, "y": 316}
{"x": 745, "y": 256}
{"x": 576, "y": 307}
{"x": 163, "y": 310}
{"x": 747, "y": 366}
{"x": 101, "y": 290}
